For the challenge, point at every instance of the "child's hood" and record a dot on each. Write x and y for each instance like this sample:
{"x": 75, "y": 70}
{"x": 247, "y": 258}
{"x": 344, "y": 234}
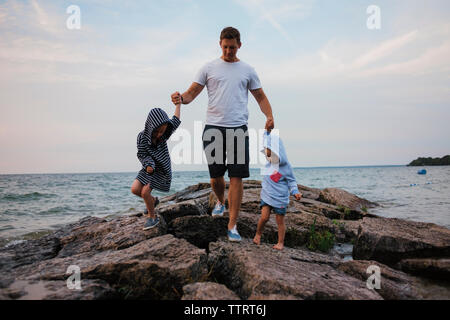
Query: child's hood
{"x": 156, "y": 118}
{"x": 273, "y": 142}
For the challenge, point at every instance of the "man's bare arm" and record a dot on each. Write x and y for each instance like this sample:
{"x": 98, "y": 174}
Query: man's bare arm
{"x": 265, "y": 107}
{"x": 188, "y": 96}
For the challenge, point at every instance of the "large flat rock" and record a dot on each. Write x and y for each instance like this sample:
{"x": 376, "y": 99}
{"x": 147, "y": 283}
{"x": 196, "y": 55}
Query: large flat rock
{"x": 389, "y": 240}
{"x": 260, "y": 271}
{"x": 155, "y": 268}
{"x": 395, "y": 284}
{"x": 427, "y": 267}
{"x": 100, "y": 235}
{"x": 340, "y": 197}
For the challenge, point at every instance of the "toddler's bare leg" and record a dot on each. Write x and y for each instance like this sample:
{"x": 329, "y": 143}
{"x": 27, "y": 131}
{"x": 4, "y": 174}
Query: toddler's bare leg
{"x": 149, "y": 200}
{"x": 281, "y": 232}
{"x": 136, "y": 187}
{"x": 265, "y": 215}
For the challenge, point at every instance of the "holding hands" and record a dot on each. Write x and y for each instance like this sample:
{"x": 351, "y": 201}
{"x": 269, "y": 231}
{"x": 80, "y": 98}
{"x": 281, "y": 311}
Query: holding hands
{"x": 269, "y": 124}
{"x": 176, "y": 98}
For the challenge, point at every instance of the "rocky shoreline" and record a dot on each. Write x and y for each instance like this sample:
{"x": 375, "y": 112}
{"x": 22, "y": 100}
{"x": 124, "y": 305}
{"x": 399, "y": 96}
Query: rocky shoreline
{"x": 187, "y": 255}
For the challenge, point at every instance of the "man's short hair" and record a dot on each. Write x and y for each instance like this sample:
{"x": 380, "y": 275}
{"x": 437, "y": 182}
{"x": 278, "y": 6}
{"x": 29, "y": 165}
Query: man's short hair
{"x": 230, "y": 33}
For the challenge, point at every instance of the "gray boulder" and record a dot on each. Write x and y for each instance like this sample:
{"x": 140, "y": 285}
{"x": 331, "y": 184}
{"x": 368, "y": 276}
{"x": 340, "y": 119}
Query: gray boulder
{"x": 260, "y": 271}
{"x": 395, "y": 284}
{"x": 427, "y": 267}
{"x": 389, "y": 240}
{"x": 155, "y": 268}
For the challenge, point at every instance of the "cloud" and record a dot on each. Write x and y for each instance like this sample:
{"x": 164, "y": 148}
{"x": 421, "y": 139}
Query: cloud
{"x": 433, "y": 60}
{"x": 38, "y": 48}
{"x": 385, "y": 49}
{"x": 339, "y": 61}
{"x": 274, "y": 11}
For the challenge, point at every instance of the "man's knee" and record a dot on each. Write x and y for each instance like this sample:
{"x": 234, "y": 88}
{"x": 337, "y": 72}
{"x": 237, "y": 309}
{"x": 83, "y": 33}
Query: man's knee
{"x": 235, "y": 180}
{"x": 217, "y": 181}
{"x": 236, "y": 183}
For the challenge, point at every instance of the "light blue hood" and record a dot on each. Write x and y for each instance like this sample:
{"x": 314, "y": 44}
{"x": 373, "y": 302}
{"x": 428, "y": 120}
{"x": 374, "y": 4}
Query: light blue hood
{"x": 279, "y": 180}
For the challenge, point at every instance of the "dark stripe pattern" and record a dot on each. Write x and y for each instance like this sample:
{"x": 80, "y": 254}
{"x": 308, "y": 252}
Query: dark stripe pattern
{"x": 156, "y": 156}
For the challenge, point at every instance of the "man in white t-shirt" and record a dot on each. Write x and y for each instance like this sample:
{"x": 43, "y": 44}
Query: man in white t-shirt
{"x": 225, "y": 136}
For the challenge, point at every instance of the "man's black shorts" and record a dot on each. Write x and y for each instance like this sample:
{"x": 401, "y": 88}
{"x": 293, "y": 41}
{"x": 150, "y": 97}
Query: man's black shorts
{"x": 232, "y": 153}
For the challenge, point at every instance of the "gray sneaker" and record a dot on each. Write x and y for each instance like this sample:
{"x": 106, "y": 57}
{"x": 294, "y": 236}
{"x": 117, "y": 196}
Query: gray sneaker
{"x": 151, "y": 223}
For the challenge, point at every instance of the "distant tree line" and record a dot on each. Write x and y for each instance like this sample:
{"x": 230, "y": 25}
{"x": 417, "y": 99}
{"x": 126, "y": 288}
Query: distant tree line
{"x": 444, "y": 161}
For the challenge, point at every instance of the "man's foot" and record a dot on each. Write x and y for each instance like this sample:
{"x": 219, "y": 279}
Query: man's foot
{"x": 218, "y": 210}
{"x": 156, "y": 203}
{"x": 151, "y": 223}
{"x": 233, "y": 236}
{"x": 278, "y": 246}
{"x": 257, "y": 239}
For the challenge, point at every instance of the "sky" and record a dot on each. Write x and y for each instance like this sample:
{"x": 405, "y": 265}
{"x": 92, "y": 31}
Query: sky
{"x": 342, "y": 94}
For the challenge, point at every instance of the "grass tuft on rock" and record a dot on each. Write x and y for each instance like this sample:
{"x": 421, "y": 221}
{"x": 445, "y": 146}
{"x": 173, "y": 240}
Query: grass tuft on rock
{"x": 320, "y": 240}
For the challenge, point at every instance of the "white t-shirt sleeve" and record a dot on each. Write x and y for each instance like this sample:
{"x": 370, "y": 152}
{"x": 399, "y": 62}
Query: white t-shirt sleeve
{"x": 254, "y": 82}
{"x": 201, "y": 75}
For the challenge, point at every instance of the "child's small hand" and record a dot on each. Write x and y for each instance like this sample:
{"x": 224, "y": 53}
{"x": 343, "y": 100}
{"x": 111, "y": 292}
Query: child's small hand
{"x": 298, "y": 196}
{"x": 176, "y": 98}
{"x": 149, "y": 170}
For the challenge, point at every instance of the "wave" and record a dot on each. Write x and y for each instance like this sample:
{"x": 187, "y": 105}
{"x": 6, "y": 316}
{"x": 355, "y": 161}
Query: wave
{"x": 33, "y": 196}
{"x": 57, "y": 210}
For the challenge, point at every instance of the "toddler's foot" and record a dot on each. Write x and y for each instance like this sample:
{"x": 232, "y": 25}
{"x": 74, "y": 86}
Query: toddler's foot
{"x": 278, "y": 246}
{"x": 257, "y": 239}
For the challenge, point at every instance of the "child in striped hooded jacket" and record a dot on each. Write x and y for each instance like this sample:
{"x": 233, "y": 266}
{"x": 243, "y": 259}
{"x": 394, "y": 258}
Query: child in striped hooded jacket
{"x": 156, "y": 172}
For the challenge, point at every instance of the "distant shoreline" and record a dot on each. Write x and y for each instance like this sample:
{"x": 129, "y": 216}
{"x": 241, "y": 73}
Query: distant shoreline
{"x": 444, "y": 161}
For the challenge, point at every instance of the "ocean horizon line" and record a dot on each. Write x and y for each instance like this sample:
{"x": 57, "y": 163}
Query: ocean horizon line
{"x": 177, "y": 171}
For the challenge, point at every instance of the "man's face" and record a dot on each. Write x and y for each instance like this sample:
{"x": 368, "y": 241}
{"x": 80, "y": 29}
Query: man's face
{"x": 229, "y": 49}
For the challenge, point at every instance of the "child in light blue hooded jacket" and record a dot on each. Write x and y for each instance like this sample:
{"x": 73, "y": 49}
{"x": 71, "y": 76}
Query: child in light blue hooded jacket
{"x": 277, "y": 184}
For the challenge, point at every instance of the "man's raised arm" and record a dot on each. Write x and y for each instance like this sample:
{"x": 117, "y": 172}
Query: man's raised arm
{"x": 187, "y": 97}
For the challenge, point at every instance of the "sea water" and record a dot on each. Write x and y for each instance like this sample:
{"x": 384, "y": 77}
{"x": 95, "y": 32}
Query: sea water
{"x": 32, "y": 204}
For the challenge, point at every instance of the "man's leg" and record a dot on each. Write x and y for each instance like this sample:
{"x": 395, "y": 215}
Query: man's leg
{"x": 235, "y": 194}
{"x": 237, "y": 143}
{"x": 215, "y": 151}
{"x": 218, "y": 186}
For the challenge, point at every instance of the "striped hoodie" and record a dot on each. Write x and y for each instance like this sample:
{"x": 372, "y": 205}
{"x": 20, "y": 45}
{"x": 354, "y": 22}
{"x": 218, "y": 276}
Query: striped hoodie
{"x": 156, "y": 156}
